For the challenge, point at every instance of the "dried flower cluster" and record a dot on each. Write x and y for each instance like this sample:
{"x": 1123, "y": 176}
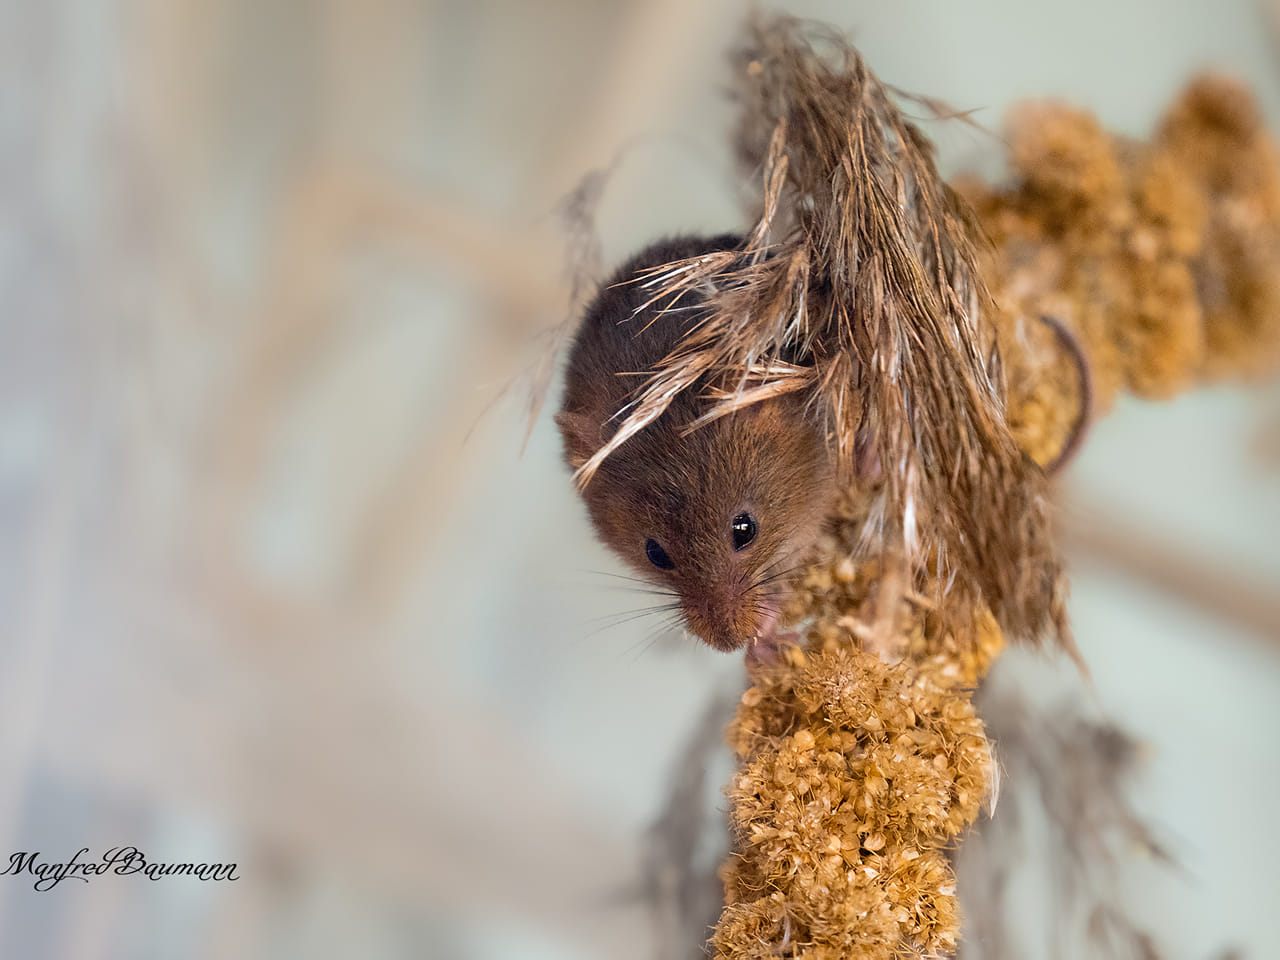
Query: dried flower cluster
{"x": 1163, "y": 257}
{"x": 857, "y": 775}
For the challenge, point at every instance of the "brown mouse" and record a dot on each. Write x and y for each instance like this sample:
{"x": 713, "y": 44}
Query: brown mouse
{"x": 718, "y": 516}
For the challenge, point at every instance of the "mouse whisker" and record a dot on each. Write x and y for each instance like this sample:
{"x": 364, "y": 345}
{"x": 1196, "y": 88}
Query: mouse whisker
{"x": 671, "y": 622}
{"x": 769, "y": 568}
{"x": 615, "y": 576}
{"x": 777, "y": 562}
{"x": 776, "y": 577}
{"x": 639, "y": 591}
{"x": 787, "y": 571}
{"x": 772, "y": 569}
{"x": 647, "y": 646}
{"x": 620, "y": 576}
{"x": 650, "y": 639}
{"x": 638, "y": 611}
{"x": 612, "y": 621}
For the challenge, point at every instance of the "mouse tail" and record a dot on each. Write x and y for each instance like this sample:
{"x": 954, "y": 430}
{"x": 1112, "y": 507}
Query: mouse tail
{"x": 1070, "y": 345}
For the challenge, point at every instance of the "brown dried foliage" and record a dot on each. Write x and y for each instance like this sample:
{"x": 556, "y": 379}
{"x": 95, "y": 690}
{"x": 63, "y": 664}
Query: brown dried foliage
{"x": 1162, "y": 256}
{"x": 858, "y": 286}
{"x": 1066, "y": 815}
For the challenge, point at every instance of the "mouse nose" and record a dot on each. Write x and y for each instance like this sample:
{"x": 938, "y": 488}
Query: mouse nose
{"x": 727, "y": 622}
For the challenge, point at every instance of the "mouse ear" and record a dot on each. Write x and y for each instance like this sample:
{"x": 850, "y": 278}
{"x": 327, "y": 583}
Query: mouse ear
{"x": 580, "y": 436}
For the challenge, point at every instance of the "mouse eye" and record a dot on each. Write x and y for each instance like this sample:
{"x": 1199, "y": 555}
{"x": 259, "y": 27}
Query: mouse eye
{"x": 744, "y": 530}
{"x": 657, "y": 556}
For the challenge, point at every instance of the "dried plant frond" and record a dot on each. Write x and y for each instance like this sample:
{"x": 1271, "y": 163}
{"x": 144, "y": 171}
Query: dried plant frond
{"x": 858, "y": 286}
{"x": 1067, "y": 812}
{"x": 683, "y": 845}
{"x": 583, "y": 259}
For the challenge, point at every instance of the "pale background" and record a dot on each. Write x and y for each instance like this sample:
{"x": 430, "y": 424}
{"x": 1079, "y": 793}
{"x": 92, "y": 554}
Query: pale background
{"x": 276, "y": 588}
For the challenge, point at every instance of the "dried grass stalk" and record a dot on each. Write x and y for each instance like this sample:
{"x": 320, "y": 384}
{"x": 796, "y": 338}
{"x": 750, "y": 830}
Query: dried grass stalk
{"x": 858, "y": 287}
{"x": 1067, "y": 817}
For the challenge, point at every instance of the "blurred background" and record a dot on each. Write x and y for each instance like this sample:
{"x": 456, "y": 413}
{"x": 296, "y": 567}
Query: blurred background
{"x": 277, "y": 584}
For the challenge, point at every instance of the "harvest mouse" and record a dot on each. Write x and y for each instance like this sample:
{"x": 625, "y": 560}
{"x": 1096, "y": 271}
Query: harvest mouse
{"x": 719, "y": 516}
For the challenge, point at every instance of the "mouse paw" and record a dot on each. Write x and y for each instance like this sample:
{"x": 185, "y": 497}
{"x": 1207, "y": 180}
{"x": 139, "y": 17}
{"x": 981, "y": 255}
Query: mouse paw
{"x": 767, "y": 649}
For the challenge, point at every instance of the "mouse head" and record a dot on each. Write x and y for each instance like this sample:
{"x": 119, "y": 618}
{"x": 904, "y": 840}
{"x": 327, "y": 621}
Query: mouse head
{"x": 719, "y": 517}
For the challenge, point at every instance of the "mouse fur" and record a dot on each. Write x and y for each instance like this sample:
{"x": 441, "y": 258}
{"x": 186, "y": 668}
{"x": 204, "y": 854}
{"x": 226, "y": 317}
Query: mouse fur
{"x": 768, "y": 461}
